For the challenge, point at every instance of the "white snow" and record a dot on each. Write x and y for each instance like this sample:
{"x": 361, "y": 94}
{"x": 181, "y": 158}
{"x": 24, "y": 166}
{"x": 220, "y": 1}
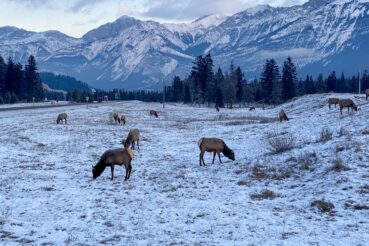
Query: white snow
{"x": 47, "y": 194}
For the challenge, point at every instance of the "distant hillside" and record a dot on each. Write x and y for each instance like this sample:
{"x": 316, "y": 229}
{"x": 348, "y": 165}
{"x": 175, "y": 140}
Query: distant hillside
{"x": 62, "y": 82}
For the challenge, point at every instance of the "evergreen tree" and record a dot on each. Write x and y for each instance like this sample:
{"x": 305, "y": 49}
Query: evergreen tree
{"x": 365, "y": 81}
{"x": 3, "y": 68}
{"x": 289, "y": 80}
{"x": 309, "y": 85}
{"x": 320, "y": 84}
{"x": 177, "y": 89}
{"x": 218, "y": 83}
{"x": 186, "y": 93}
{"x": 33, "y": 81}
{"x": 9, "y": 76}
{"x": 332, "y": 82}
{"x": 239, "y": 84}
{"x": 301, "y": 88}
{"x": 270, "y": 82}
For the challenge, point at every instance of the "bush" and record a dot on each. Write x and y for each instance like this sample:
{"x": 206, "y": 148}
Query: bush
{"x": 325, "y": 135}
{"x": 339, "y": 166}
{"x": 279, "y": 143}
{"x": 323, "y": 206}
{"x": 265, "y": 194}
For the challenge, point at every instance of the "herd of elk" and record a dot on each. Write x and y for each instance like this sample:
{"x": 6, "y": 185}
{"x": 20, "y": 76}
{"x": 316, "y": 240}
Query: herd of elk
{"x": 344, "y": 103}
{"x": 124, "y": 156}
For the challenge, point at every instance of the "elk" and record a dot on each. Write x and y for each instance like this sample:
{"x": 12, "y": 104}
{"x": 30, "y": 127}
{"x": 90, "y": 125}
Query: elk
{"x": 123, "y": 119}
{"x": 116, "y": 118}
{"x": 283, "y": 116}
{"x": 154, "y": 113}
{"x": 216, "y": 146}
{"x": 217, "y": 109}
{"x": 366, "y": 94}
{"x": 62, "y": 117}
{"x": 334, "y": 101}
{"x": 252, "y": 108}
{"x": 347, "y": 103}
{"x": 111, "y": 158}
{"x": 133, "y": 136}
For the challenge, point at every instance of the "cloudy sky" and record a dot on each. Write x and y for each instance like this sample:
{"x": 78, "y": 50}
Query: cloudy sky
{"x": 76, "y": 17}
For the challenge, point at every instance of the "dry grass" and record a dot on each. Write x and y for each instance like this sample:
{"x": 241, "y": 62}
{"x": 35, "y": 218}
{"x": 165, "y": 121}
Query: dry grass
{"x": 325, "y": 135}
{"x": 279, "y": 143}
{"x": 339, "y": 165}
{"x": 307, "y": 160}
{"x": 323, "y": 205}
{"x": 263, "y": 195}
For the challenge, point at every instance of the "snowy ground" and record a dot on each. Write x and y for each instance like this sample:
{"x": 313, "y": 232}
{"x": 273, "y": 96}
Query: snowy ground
{"x": 48, "y": 196}
{"x": 36, "y": 104}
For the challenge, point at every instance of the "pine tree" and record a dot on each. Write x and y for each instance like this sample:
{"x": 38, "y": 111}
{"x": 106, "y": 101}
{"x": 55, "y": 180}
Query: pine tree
{"x": 289, "y": 80}
{"x": 218, "y": 83}
{"x": 33, "y": 81}
{"x": 177, "y": 89}
{"x": 3, "y": 68}
{"x": 239, "y": 84}
{"x": 332, "y": 82}
{"x": 320, "y": 84}
{"x": 9, "y": 76}
{"x": 270, "y": 82}
{"x": 309, "y": 85}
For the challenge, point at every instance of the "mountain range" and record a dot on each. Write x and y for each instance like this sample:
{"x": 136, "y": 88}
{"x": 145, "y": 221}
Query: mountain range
{"x": 320, "y": 36}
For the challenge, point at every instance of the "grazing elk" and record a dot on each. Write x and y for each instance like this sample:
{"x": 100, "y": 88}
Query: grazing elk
{"x": 334, "y": 101}
{"x": 123, "y": 120}
{"x": 366, "y": 94}
{"x": 154, "y": 113}
{"x": 283, "y": 116}
{"x": 216, "y": 146}
{"x": 133, "y": 136}
{"x": 62, "y": 117}
{"x": 252, "y": 108}
{"x": 111, "y": 158}
{"x": 347, "y": 103}
{"x": 116, "y": 118}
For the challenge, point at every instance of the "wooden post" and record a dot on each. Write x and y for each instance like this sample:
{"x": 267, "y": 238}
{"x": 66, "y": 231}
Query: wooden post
{"x": 163, "y": 93}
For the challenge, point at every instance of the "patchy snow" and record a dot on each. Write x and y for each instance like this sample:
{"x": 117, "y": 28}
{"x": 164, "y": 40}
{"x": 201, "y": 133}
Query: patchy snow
{"x": 48, "y": 196}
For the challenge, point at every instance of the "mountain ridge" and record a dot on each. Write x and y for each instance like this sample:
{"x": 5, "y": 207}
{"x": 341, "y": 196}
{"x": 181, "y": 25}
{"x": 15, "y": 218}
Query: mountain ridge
{"x": 134, "y": 54}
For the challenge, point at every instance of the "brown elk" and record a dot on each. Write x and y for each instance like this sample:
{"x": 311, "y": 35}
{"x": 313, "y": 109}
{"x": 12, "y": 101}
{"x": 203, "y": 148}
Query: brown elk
{"x": 111, "y": 158}
{"x": 62, "y": 117}
{"x": 154, "y": 113}
{"x": 347, "y": 103}
{"x": 334, "y": 101}
{"x": 366, "y": 94}
{"x": 116, "y": 118}
{"x": 283, "y": 116}
{"x": 132, "y": 138}
{"x": 252, "y": 108}
{"x": 216, "y": 146}
{"x": 123, "y": 119}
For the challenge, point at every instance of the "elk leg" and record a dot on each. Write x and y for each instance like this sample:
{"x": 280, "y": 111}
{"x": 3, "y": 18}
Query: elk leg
{"x": 329, "y": 106}
{"x": 202, "y": 158}
{"x": 219, "y": 157}
{"x": 112, "y": 171}
{"x": 133, "y": 145}
{"x": 127, "y": 172}
{"x": 130, "y": 170}
{"x": 214, "y": 157}
{"x": 138, "y": 145}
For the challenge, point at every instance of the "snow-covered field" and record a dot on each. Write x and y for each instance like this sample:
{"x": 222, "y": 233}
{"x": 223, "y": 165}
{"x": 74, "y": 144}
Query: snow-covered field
{"x": 48, "y": 197}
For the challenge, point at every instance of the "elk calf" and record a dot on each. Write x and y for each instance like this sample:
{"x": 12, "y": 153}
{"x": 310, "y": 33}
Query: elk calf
{"x": 62, "y": 117}
{"x": 112, "y": 158}
{"x": 283, "y": 116}
{"x": 334, "y": 101}
{"x": 123, "y": 120}
{"x": 116, "y": 118}
{"x": 347, "y": 103}
{"x": 216, "y": 146}
{"x": 133, "y": 136}
{"x": 154, "y": 113}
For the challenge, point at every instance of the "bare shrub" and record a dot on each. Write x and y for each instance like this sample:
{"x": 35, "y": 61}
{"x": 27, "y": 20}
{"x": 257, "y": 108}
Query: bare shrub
{"x": 279, "y": 143}
{"x": 342, "y": 132}
{"x": 325, "y": 135}
{"x": 306, "y": 160}
{"x": 323, "y": 206}
{"x": 259, "y": 172}
{"x": 243, "y": 182}
{"x": 264, "y": 194}
{"x": 339, "y": 165}
{"x": 5, "y": 213}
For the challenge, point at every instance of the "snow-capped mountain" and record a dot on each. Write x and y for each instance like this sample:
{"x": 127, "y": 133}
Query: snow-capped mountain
{"x": 321, "y": 36}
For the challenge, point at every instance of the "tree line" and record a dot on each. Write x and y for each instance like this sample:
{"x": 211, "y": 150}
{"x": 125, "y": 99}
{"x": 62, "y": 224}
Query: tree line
{"x": 204, "y": 85}
{"x": 18, "y": 83}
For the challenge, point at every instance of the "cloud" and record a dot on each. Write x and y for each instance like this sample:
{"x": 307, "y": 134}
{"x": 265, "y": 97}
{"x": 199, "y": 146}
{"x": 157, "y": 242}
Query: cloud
{"x": 191, "y": 9}
{"x": 81, "y": 5}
